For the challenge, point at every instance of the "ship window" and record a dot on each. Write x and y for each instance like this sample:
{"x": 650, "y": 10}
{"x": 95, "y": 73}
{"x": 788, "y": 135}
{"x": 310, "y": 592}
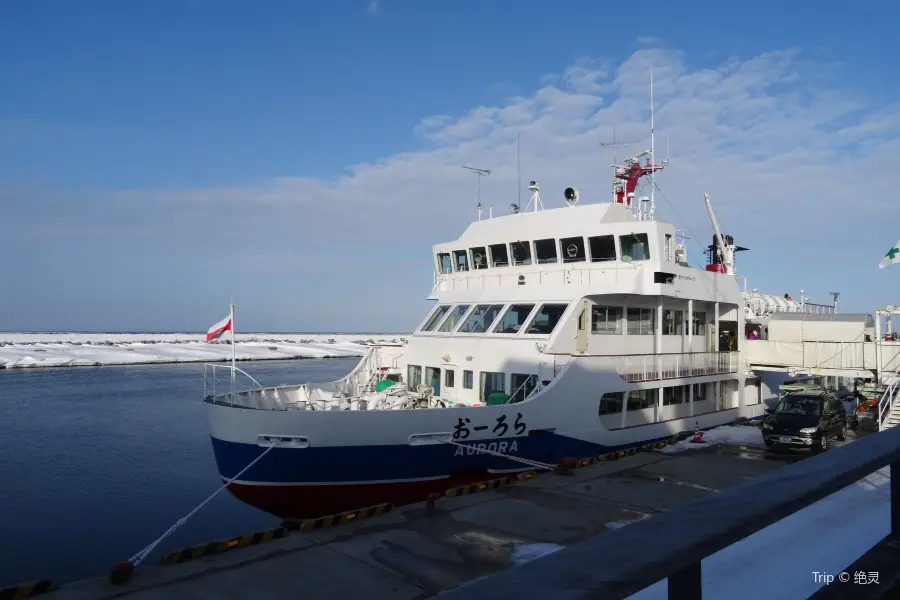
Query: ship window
{"x": 545, "y": 251}
{"x": 449, "y": 376}
{"x": 481, "y": 318}
{"x": 572, "y": 249}
{"x": 670, "y": 250}
{"x": 453, "y": 318}
{"x": 461, "y": 260}
{"x": 479, "y": 257}
{"x": 606, "y": 319}
{"x": 492, "y": 383}
{"x": 547, "y": 319}
{"x": 611, "y": 403}
{"x": 673, "y": 321}
{"x": 468, "y": 380}
{"x": 499, "y": 255}
{"x": 699, "y": 324}
{"x": 674, "y": 395}
{"x": 521, "y": 253}
{"x": 514, "y": 318}
{"x": 634, "y": 247}
{"x": 444, "y": 264}
{"x": 641, "y": 321}
{"x": 699, "y": 392}
{"x": 603, "y": 248}
{"x": 414, "y": 376}
{"x": 641, "y": 399}
{"x": 435, "y": 317}
{"x": 522, "y": 386}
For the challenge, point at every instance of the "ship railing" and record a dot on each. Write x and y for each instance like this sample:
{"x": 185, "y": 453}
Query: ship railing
{"x": 674, "y": 544}
{"x": 235, "y": 385}
{"x": 573, "y": 273}
{"x": 886, "y": 403}
{"x": 635, "y": 368}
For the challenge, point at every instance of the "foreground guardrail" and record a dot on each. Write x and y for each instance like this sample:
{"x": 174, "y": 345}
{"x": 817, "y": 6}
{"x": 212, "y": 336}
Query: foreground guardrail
{"x": 673, "y": 544}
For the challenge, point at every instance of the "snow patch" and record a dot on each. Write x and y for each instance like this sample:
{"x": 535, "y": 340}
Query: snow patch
{"x": 737, "y": 435}
{"x": 23, "y": 350}
{"x": 523, "y": 553}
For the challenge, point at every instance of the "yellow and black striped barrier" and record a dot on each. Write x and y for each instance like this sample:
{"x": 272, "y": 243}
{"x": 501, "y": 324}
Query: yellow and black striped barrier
{"x": 472, "y": 488}
{"x": 334, "y": 520}
{"x": 27, "y": 590}
{"x": 250, "y": 539}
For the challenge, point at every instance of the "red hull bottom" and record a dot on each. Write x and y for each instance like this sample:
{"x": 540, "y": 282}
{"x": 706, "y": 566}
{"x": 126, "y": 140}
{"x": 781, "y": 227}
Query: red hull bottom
{"x": 311, "y": 501}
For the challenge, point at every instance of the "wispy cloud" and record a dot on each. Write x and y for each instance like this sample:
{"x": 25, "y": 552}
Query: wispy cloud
{"x": 374, "y": 7}
{"x": 782, "y": 155}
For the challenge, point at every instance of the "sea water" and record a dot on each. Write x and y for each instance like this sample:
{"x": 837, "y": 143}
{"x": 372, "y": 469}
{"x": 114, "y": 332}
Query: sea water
{"x": 97, "y": 462}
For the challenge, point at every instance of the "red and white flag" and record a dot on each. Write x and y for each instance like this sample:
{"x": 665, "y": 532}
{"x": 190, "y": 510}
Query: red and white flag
{"x": 217, "y": 330}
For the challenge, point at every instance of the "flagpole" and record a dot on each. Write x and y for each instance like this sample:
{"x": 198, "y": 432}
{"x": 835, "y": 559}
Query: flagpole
{"x": 233, "y": 352}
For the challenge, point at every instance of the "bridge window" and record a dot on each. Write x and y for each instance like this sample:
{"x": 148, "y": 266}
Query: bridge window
{"x": 522, "y": 385}
{"x": 606, "y": 319}
{"x": 611, "y": 403}
{"x": 672, "y": 322}
{"x": 514, "y": 318}
{"x": 413, "y": 376}
{"x": 499, "y": 255}
{"x": 698, "y": 326}
{"x": 435, "y": 318}
{"x": 453, "y": 318}
{"x": 521, "y": 253}
{"x": 603, "y": 248}
{"x": 461, "y": 260}
{"x": 670, "y": 248}
{"x": 468, "y": 380}
{"x": 641, "y": 399}
{"x": 481, "y": 318}
{"x": 449, "y": 376}
{"x": 492, "y": 383}
{"x": 444, "y": 264}
{"x": 479, "y": 257}
{"x": 641, "y": 321}
{"x": 674, "y": 395}
{"x": 546, "y": 320}
{"x": 572, "y": 249}
{"x": 545, "y": 251}
{"x": 634, "y": 247}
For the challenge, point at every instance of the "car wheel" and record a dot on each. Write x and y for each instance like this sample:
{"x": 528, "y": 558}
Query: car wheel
{"x": 823, "y": 443}
{"x": 843, "y": 434}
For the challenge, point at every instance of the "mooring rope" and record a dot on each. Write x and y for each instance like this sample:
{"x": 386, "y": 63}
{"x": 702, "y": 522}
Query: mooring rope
{"x": 140, "y": 556}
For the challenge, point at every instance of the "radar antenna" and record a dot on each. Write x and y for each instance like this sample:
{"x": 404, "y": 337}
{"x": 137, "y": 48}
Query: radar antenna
{"x": 535, "y": 188}
{"x": 479, "y": 173}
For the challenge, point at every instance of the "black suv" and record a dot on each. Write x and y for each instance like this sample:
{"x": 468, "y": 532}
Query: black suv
{"x": 806, "y": 419}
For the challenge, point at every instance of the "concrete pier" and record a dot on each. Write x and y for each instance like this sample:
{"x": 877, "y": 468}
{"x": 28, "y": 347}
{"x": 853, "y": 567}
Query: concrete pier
{"x": 415, "y": 552}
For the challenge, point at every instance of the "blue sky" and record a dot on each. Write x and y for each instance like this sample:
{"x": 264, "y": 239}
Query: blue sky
{"x": 158, "y": 159}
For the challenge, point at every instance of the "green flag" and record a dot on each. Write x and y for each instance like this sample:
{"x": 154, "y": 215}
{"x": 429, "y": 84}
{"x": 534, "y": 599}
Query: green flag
{"x": 892, "y": 256}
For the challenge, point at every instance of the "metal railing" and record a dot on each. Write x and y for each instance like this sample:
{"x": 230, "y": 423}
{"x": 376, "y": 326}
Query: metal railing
{"x": 231, "y": 389}
{"x": 886, "y": 402}
{"x": 674, "y": 544}
{"x": 653, "y": 367}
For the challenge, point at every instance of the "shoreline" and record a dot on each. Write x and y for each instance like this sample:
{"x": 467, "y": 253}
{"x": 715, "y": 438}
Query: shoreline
{"x": 35, "y": 367}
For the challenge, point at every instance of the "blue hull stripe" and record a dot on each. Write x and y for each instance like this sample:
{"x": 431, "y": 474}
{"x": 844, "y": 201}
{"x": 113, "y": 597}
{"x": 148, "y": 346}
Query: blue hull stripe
{"x": 396, "y": 462}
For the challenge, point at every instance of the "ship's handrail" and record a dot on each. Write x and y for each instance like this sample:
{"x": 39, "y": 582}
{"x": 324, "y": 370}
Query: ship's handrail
{"x": 674, "y": 543}
{"x": 635, "y": 368}
{"x": 209, "y": 373}
{"x": 478, "y": 276}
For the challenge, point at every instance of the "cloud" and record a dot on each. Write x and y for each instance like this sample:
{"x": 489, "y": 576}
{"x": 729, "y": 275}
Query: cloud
{"x": 374, "y": 7}
{"x": 791, "y": 164}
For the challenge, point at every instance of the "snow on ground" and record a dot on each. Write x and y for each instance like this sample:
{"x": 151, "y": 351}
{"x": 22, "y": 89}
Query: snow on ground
{"x": 86, "y": 349}
{"x": 780, "y": 560}
{"x": 737, "y": 435}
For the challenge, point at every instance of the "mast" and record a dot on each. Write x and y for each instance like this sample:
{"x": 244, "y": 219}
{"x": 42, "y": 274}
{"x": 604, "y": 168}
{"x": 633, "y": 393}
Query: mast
{"x": 652, "y": 148}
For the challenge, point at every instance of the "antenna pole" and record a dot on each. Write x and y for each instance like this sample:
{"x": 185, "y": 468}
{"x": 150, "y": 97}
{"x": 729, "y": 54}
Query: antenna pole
{"x": 652, "y": 163}
{"x": 479, "y": 173}
{"x": 518, "y": 167}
